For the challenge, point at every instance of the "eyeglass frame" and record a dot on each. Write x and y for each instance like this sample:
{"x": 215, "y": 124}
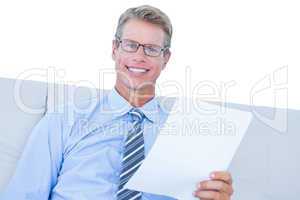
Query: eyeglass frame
{"x": 162, "y": 49}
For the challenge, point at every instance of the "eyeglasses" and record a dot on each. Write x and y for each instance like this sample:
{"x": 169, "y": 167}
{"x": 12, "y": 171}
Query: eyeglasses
{"x": 132, "y": 46}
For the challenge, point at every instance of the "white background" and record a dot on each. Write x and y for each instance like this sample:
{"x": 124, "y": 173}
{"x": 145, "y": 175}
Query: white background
{"x": 219, "y": 42}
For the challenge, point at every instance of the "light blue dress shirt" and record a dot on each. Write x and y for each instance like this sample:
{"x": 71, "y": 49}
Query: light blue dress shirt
{"x": 75, "y": 153}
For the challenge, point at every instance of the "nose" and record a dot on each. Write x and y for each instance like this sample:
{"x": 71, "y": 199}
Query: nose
{"x": 139, "y": 55}
{"x": 140, "y": 50}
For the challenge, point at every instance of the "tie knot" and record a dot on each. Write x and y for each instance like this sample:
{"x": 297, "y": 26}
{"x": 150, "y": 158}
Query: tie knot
{"x": 136, "y": 115}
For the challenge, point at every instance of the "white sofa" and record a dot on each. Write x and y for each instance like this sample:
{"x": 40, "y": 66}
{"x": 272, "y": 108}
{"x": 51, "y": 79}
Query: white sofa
{"x": 265, "y": 166}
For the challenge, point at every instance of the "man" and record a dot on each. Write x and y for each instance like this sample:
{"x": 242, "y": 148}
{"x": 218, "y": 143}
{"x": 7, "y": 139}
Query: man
{"x": 93, "y": 154}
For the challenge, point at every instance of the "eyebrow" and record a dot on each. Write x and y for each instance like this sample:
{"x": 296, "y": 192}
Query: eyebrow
{"x": 143, "y": 43}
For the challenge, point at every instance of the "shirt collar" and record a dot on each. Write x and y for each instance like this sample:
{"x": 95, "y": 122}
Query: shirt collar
{"x": 120, "y": 106}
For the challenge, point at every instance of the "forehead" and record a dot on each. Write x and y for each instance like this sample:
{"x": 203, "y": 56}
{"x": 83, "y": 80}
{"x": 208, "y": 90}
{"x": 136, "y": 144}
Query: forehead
{"x": 143, "y": 32}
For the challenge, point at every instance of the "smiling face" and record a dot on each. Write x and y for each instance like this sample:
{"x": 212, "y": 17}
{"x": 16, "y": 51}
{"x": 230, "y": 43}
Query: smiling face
{"x": 137, "y": 71}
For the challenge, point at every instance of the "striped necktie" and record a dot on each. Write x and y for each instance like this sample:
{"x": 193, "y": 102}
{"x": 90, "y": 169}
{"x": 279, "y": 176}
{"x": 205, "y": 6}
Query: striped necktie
{"x": 133, "y": 156}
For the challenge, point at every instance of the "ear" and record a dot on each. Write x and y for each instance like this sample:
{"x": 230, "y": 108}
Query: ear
{"x": 167, "y": 56}
{"x": 114, "y": 49}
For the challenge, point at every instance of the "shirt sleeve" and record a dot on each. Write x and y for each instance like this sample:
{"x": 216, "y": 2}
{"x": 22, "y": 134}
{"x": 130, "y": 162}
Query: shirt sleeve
{"x": 38, "y": 167}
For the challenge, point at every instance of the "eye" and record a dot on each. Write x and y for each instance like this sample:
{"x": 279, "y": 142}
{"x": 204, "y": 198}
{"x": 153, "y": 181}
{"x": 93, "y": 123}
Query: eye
{"x": 152, "y": 49}
{"x": 130, "y": 44}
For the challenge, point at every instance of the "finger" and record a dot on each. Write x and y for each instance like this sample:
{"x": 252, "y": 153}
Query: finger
{"x": 216, "y": 185}
{"x": 211, "y": 195}
{"x": 222, "y": 175}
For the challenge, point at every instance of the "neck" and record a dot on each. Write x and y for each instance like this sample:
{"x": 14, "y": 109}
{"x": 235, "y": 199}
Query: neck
{"x": 136, "y": 97}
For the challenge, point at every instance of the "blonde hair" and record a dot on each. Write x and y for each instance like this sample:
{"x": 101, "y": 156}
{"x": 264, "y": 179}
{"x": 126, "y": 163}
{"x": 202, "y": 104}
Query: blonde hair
{"x": 149, "y": 14}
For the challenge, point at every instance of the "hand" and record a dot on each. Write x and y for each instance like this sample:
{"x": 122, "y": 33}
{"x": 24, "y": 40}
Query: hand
{"x": 218, "y": 188}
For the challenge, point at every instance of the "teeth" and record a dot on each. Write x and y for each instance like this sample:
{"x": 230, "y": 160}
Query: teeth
{"x": 139, "y": 70}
